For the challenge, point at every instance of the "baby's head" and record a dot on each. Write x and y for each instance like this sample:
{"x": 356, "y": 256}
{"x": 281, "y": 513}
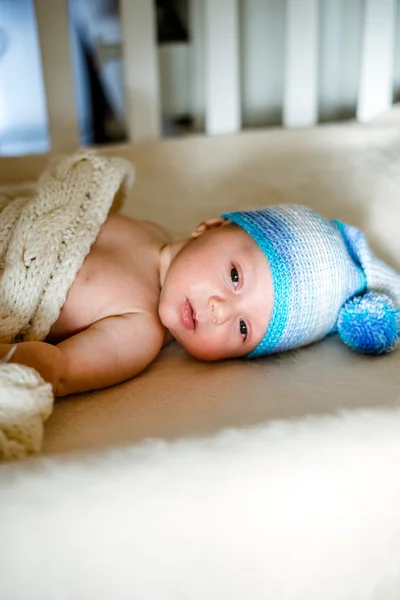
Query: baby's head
{"x": 263, "y": 281}
{"x": 217, "y": 296}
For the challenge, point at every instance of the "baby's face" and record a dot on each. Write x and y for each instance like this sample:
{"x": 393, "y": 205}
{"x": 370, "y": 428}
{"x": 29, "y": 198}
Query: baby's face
{"x": 217, "y": 297}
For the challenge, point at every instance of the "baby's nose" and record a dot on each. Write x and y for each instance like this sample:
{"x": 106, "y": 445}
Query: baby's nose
{"x": 220, "y": 310}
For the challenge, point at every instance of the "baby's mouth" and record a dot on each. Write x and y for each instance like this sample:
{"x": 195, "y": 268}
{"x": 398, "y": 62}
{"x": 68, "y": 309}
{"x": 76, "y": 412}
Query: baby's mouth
{"x": 187, "y": 317}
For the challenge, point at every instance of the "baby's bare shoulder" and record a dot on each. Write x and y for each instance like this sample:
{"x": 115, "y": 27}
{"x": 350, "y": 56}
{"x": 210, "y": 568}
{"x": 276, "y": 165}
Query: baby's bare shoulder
{"x": 118, "y": 225}
{"x": 120, "y": 276}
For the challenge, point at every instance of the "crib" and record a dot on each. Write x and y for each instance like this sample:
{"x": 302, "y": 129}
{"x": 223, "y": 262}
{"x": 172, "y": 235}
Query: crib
{"x": 246, "y": 64}
{"x": 273, "y": 478}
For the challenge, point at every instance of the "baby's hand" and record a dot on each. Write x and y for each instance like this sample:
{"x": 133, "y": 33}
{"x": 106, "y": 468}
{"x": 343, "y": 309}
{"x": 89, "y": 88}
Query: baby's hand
{"x": 44, "y": 358}
{"x": 9, "y": 354}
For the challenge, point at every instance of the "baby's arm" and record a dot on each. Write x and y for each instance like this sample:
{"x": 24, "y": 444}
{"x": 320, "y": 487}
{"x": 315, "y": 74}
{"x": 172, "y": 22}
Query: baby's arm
{"x": 46, "y": 359}
{"x": 108, "y": 352}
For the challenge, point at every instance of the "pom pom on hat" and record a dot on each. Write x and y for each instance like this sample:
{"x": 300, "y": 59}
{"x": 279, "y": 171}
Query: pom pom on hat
{"x": 370, "y": 324}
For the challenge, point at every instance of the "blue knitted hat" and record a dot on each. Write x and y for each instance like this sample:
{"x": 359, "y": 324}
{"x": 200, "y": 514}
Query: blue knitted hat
{"x": 326, "y": 280}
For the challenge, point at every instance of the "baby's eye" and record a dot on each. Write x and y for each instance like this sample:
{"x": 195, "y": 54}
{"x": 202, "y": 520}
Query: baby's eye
{"x": 234, "y": 276}
{"x": 243, "y": 329}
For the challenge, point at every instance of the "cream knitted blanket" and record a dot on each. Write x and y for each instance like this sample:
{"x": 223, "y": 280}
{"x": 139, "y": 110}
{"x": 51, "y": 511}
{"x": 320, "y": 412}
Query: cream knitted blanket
{"x": 46, "y": 231}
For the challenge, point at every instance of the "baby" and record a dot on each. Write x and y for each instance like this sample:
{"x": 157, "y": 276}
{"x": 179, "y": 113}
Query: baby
{"x": 246, "y": 284}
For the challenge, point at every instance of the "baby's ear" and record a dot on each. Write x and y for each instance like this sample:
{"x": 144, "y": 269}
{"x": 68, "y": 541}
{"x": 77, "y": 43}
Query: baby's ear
{"x": 209, "y": 224}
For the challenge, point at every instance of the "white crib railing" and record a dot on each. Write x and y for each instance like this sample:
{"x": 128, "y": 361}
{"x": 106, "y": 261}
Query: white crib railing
{"x": 300, "y": 103}
{"x": 215, "y": 64}
{"x": 53, "y": 29}
{"x": 141, "y": 77}
{"x": 376, "y": 91}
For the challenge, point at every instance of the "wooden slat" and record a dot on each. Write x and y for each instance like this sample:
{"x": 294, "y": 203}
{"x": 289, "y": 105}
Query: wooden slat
{"x": 141, "y": 79}
{"x": 262, "y": 61}
{"x": 331, "y": 58}
{"x": 376, "y": 82}
{"x": 197, "y": 62}
{"x": 53, "y": 29}
{"x": 396, "y": 66}
{"x": 300, "y": 107}
{"x": 340, "y": 36}
{"x": 351, "y": 56}
{"x": 222, "y": 66}
{"x": 174, "y": 79}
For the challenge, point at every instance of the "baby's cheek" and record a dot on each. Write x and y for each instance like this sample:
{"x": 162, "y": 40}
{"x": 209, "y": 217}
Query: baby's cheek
{"x": 208, "y": 347}
{"x": 167, "y": 312}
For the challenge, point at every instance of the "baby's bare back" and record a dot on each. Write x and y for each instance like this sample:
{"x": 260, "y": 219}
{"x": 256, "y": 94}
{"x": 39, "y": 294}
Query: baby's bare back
{"x": 119, "y": 276}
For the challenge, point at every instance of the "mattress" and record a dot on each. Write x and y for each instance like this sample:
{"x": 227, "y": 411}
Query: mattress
{"x": 349, "y": 172}
{"x": 95, "y": 447}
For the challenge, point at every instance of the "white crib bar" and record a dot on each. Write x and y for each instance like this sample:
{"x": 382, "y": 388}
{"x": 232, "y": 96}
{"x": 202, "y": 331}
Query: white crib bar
{"x": 300, "y": 104}
{"x": 377, "y": 65}
{"x": 331, "y": 47}
{"x": 53, "y": 29}
{"x": 262, "y": 64}
{"x": 222, "y": 67}
{"x": 197, "y": 61}
{"x": 141, "y": 80}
